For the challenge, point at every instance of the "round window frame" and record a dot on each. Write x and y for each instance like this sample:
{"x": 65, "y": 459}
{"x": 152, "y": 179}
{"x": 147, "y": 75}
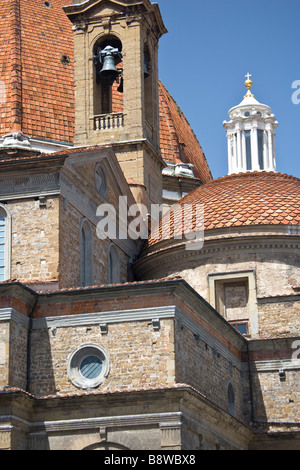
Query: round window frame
{"x": 75, "y": 360}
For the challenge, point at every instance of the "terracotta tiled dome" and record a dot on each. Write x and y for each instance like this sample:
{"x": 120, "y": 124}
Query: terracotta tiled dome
{"x": 246, "y": 199}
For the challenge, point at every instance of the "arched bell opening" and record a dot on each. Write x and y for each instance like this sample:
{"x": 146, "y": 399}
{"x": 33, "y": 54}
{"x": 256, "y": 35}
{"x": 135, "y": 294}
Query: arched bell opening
{"x": 148, "y": 90}
{"x": 108, "y": 76}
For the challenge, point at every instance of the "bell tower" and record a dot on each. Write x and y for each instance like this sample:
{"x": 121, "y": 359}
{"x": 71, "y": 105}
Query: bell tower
{"x": 116, "y": 84}
{"x": 251, "y": 135}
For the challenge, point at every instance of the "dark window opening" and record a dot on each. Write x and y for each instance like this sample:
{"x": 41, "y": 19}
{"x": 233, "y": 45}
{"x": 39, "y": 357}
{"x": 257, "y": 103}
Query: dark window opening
{"x": 248, "y": 150}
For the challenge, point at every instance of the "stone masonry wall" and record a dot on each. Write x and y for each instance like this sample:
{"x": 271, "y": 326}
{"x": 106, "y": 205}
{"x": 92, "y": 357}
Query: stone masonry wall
{"x": 276, "y": 274}
{"x": 4, "y": 353}
{"x": 71, "y": 216}
{"x": 277, "y": 400}
{"x": 275, "y": 375}
{"x": 279, "y": 317}
{"x": 34, "y": 239}
{"x": 203, "y": 367}
{"x": 139, "y": 356}
{"x": 18, "y": 355}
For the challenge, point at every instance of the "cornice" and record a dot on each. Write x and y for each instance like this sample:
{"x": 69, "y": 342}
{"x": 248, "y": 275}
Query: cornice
{"x": 173, "y": 251}
{"x": 10, "y": 314}
{"x": 128, "y": 9}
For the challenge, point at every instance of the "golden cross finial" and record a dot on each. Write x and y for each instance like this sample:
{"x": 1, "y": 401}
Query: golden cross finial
{"x": 248, "y": 84}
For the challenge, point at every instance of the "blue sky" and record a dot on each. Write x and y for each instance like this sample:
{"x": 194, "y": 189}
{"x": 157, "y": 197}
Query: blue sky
{"x": 211, "y": 45}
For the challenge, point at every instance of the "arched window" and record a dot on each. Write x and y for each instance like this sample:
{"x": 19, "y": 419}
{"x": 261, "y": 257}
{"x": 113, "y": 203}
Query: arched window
{"x": 231, "y": 402}
{"x": 5, "y": 243}
{"x": 113, "y": 266}
{"x": 148, "y": 87}
{"x": 86, "y": 253}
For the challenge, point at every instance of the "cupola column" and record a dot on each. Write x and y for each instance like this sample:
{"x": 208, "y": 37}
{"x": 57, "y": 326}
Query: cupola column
{"x": 254, "y": 147}
{"x": 239, "y": 146}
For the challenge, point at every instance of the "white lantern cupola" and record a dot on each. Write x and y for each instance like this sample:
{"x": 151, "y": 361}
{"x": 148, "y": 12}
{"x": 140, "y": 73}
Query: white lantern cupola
{"x": 251, "y": 135}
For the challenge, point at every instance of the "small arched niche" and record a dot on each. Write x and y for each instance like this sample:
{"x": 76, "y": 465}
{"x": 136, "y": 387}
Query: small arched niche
{"x": 86, "y": 254}
{"x": 113, "y": 265}
{"x": 100, "y": 180}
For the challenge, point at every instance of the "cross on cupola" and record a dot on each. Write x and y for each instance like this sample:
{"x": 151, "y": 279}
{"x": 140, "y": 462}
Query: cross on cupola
{"x": 248, "y": 84}
{"x": 251, "y": 135}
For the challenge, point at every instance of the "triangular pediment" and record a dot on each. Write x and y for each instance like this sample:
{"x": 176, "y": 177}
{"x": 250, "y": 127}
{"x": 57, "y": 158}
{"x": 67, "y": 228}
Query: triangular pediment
{"x": 92, "y": 8}
{"x": 85, "y": 161}
{"x": 82, "y": 167}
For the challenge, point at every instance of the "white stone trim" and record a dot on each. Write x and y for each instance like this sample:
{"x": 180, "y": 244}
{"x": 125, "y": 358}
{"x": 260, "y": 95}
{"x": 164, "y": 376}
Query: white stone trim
{"x": 87, "y": 319}
{"x": 40, "y": 428}
{"x": 10, "y": 314}
{"x": 275, "y": 365}
{"x": 7, "y": 244}
{"x": 41, "y": 145}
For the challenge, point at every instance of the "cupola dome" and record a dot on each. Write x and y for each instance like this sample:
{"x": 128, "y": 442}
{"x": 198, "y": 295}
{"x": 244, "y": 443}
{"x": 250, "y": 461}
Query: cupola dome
{"x": 251, "y": 135}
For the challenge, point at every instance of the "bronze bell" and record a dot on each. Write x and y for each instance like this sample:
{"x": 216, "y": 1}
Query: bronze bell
{"x": 109, "y": 70}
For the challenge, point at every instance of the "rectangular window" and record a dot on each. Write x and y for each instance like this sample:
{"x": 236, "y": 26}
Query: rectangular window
{"x": 242, "y": 328}
{"x": 233, "y": 295}
{"x": 248, "y": 150}
{"x": 2, "y": 248}
{"x": 232, "y": 298}
{"x": 260, "y": 138}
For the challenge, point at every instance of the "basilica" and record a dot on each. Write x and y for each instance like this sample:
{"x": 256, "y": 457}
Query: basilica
{"x": 144, "y": 305}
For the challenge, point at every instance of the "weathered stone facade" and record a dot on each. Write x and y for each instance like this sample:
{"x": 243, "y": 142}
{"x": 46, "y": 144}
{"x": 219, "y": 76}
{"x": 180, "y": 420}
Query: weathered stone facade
{"x": 151, "y": 352}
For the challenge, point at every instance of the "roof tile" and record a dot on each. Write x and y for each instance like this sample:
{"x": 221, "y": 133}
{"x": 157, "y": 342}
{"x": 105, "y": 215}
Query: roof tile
{"x": 254, "y": 198}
